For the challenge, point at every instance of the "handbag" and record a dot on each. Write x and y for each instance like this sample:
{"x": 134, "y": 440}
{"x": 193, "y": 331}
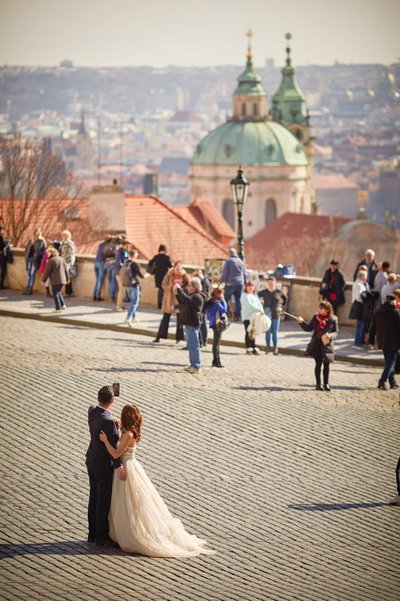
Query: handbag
{"x": 73, "y": 270}
{"x": 222, "y": 322}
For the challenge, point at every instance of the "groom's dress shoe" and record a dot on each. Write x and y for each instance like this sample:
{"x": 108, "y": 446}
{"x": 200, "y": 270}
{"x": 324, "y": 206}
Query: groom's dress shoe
{"x": 107, "y": 542}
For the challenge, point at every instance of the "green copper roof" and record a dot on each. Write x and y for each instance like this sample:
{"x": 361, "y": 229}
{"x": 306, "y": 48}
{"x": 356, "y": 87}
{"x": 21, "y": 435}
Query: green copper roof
{"x": 249, "y": 82}
{"x": 250, "y": 143}
{"x": 289, "y": 103}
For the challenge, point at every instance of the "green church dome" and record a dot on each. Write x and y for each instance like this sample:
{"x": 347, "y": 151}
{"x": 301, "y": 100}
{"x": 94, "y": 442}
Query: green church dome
{"x": 250, "y": 143}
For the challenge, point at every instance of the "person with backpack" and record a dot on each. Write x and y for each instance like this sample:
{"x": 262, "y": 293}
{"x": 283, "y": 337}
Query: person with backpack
{"x": 129, "y": 275}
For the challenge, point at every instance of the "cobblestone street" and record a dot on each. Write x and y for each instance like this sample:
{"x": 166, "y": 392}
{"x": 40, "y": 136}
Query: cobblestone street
{"x": 290, "y": 486}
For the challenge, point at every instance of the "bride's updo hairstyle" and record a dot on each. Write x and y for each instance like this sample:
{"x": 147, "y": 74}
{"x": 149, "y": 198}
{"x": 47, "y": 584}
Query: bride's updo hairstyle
{"x": 131, "y": 420}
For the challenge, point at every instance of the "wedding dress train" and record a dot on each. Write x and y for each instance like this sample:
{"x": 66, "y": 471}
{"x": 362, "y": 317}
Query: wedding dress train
{"x": 140, "y": 522}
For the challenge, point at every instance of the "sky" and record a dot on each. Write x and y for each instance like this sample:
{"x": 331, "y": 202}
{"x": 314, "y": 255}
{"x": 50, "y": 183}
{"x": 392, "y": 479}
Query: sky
{"x": 196, "y": 32}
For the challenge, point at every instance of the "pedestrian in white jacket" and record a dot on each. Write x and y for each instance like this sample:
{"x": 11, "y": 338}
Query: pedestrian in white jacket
{"x": 250, "y": 304}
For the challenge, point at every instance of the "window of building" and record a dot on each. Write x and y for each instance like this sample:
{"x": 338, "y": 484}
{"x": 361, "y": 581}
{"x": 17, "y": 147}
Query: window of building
{"x": 227, "y": 212}
{"x": 255, "y": 110}
{"x": 243, "y": 109}
{"x": 270, "y": 211}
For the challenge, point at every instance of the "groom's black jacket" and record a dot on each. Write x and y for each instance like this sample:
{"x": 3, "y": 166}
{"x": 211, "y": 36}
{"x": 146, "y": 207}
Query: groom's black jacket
{"x": 97, "y": 457}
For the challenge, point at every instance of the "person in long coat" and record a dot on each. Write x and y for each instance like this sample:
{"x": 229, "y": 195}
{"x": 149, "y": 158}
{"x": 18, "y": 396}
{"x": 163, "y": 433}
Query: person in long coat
{"x": 333, "y": 286}
{"x": 324, "y": 328}
{"x": 172, "y": 277}
{"x": 58, "y": 272}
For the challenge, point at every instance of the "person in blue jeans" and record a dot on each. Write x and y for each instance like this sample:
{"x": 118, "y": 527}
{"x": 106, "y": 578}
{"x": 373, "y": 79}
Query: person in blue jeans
{"x": 233, "y": 277}
{"x": 191, "y": 307}
{"x": 134, "y": 290}
{"x": 274, "y": 301}
{"x": 100, "y": 269}
{"x": 34, "y": 251}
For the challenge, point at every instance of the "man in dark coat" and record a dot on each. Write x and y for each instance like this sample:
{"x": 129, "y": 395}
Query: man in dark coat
{"x": 158, "y": 266}
{"x": 101, "y": 467}
{"x": 386, "y": 328}
{"x": 333, "y": 285}
{"x": 369, "y": 262}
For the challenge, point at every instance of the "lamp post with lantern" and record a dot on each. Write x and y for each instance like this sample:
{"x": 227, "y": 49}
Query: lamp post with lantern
{"x": 240, "y": 189}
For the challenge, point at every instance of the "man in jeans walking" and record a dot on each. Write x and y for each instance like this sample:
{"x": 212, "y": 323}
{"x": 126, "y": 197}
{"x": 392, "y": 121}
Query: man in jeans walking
{"x": 191, "y": 306}
{"x": 234, "y": 278}
{"x": 386, "y": 327}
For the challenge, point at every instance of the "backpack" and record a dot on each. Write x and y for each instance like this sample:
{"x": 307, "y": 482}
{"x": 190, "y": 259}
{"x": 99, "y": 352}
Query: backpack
{"x": 125, "y": 273}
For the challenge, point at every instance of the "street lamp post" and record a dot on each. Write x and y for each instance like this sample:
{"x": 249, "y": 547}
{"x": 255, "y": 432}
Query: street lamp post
{"x": 240, "y": 189}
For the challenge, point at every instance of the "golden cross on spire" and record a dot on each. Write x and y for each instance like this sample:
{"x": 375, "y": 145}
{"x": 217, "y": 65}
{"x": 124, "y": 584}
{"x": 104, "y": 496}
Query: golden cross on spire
{"x": 249, "y": 34}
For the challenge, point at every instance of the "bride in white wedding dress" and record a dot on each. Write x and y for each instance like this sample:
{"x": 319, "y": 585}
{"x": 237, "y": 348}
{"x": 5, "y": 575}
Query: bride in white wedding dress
{"x": 140, "y": 522}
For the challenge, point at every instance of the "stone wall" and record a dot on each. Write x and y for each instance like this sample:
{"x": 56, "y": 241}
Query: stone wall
{"x": 303, "y": 292}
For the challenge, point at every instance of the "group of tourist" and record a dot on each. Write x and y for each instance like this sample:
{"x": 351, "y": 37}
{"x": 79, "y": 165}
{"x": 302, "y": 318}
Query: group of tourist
{"x": 54, "y": 261}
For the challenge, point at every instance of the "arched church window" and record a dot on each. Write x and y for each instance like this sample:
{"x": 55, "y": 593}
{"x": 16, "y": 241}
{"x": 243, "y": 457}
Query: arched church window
{"x": 270, "y": 211}
{"x": 243, "y": 109}
{"x": 255, "y": 110}
{"x": 227, "y": 212}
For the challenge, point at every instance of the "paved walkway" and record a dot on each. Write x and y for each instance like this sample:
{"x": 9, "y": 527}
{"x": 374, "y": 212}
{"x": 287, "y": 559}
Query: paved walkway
{"x": 289, "y": 485}
{"x": 292, "y": 339}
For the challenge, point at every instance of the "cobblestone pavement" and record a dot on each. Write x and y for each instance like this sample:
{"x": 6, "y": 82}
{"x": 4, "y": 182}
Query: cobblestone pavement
{"x": 288, "y": 485}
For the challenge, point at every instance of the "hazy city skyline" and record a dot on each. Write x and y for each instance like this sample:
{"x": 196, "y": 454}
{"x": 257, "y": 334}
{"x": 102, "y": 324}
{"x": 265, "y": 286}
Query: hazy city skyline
{"x": 127, "y": 32}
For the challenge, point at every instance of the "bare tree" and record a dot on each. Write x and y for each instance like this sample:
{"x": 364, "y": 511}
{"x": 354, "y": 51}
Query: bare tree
{"x": 29, "y": 174}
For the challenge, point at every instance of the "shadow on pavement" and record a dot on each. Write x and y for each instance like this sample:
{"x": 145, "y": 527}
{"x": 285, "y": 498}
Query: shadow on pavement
{"x": 65, "y": 547}
{"x": 337, "y": 506}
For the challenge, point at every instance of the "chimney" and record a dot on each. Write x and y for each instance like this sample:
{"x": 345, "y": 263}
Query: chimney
{"x": 107, "y": 208}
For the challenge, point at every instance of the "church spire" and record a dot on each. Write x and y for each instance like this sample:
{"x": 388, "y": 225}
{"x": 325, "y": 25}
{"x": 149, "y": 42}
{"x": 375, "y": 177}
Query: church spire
{"x": 249, "y": 98}
{"x": 289, "y": 106}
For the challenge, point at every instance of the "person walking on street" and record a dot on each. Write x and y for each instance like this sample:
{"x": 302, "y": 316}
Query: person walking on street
{"x": 216, "y": 311}
{"x": 233, "y": 277}
{"x": 385, "y": 328}
{"x": 250, "y": 304}
{"x": 158, "y": 266}
{"x": 372, "y": 268}
{"x": 274, "y": 302}
{"x": 57, "y": 271}
{"x": 191, "y": 303}
{"x": 324, "y": 328}
{"x": 333, "y": 286}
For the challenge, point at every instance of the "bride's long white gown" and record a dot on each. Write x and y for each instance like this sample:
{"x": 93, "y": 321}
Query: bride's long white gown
{"x": 140, "y": 521}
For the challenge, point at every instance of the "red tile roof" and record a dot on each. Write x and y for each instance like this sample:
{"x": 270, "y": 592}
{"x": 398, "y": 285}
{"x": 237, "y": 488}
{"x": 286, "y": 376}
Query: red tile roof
{"x": 292, "y": 238}
{"x": 150, "y": 222}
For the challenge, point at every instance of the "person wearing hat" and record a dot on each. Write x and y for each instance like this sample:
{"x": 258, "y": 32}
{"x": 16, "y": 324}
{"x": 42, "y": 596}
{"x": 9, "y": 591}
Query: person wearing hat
{"x": 333, "y": 285}
{"x": 385, "y": 328}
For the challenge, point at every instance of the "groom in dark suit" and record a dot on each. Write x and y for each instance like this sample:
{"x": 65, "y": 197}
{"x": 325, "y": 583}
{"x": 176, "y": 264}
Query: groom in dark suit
{"x": 101, "y": 467}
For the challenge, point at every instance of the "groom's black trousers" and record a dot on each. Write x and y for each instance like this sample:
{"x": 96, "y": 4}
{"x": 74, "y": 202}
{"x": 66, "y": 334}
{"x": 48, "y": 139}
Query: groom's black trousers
{"x": 99, "y": 503}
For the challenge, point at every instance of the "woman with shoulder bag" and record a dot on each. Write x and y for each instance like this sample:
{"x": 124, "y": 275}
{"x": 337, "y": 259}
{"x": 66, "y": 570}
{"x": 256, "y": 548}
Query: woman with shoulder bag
{"x": 324, "y": 328}
{"x": 216, "y": 313}
{"x": 67, "y": 251}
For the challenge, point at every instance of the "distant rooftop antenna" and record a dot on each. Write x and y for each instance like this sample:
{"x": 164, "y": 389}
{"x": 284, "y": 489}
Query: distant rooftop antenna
{"x": 121, "y": 155}
{"x": 98, "y": 151}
